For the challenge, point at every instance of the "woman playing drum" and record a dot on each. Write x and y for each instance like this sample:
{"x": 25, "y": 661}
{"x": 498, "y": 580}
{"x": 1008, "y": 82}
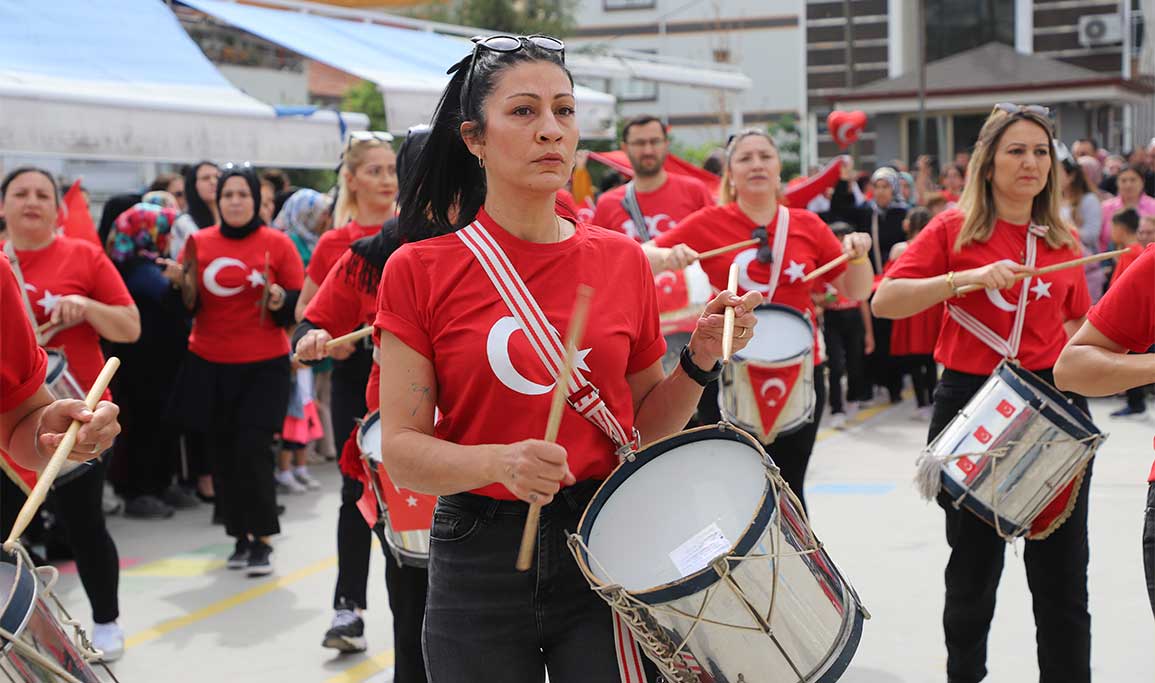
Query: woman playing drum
{"x": 243, "y": 279}
{"x": 1007, "y": 221}
{"x": 502, "y": 143}
{"x": 346, "y": 300}
{"x": 76, "y": 297}
{"x": 751, "y": 197}
{"x": 1097, "y": 362}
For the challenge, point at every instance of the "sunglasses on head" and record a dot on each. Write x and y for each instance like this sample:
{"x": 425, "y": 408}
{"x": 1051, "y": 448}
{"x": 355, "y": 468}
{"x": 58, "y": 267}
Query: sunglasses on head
{"x": 1012, "y": 108}
{"x": 507, "y": 44}
{"x": 231, "y": 166}
{"x": 368, "y": 136}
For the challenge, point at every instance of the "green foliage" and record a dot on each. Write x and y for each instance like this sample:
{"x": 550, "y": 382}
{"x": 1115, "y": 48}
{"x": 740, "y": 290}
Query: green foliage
{"x": 789, "y": 140}
{"x": 518, "y": 17}
{"x": 365, "y": 98}
{"x": 695, "y": 154}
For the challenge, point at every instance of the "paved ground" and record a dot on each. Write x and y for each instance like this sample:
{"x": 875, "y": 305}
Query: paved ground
{"x": 189, "y": 620}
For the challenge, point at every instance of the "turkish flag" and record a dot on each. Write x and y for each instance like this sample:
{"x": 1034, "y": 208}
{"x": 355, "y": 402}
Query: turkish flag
{"x": 772, "y": 388}
{"x": 367, "y": 503}
{"x": 75, "y": 218}
{"x": 408, "y": 510}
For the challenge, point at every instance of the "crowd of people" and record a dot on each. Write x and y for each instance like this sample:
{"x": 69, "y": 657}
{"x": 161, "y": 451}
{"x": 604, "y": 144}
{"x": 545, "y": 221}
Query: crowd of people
{"x": 221, "y": 286}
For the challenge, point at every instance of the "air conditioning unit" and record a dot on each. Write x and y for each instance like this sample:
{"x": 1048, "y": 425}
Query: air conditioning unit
{"x": 1100, "y": 29}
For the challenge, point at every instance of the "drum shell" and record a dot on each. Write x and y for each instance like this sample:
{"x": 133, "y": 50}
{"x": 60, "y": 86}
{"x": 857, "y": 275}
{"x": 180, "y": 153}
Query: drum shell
{"x": 409, "y": 548}
{"x": 27, "y": 615}
{"x": 1030, "y": 458}
{"x": 738, "y": 398}
{"x": 62, "y": 385}
{"x": 813, "y": 630}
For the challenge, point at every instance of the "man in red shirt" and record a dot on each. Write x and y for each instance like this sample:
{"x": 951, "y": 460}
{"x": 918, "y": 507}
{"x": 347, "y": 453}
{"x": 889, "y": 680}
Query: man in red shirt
{"x": 655, "y": 200}
{"x": 1096, "y": 362}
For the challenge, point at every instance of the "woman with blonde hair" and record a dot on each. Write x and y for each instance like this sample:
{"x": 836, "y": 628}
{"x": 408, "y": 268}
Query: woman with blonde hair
{"x": 797, "y": 242}
{"x": 1007, "y": 223}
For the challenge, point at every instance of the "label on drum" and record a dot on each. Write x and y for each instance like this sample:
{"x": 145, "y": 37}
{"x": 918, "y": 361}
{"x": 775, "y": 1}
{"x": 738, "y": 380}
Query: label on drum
{"x": 978, "y": 428}
{"x": 700, "y": 550}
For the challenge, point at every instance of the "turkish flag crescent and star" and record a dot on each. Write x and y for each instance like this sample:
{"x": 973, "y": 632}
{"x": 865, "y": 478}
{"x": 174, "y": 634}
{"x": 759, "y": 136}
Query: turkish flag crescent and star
{"x": 772, "y": 387}
{"x": 75, "y": 218}
{"x": 408, "y": 510}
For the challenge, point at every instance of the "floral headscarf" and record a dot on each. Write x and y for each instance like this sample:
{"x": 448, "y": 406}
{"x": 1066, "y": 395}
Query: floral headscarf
{"x": 142, "y": 231}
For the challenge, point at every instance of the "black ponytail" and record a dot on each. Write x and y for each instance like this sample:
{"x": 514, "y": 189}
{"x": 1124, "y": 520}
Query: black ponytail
{"x": 448, "y": 187}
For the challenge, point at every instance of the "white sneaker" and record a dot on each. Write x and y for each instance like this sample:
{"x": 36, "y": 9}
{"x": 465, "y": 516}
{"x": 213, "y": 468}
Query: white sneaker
{"x": 305, "y": 479}
{"x": 838, "y": 420}
{"x": 287, "y": 483}
{"x": 109, "y": 639}
{"x": 923, "y": 414}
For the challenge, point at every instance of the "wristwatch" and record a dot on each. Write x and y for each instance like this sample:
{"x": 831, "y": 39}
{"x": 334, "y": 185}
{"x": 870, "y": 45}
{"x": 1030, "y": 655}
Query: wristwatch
{"x": 702, "y": 377}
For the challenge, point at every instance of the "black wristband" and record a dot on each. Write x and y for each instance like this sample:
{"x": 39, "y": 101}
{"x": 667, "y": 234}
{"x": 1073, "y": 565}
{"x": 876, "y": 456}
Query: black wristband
{"x": 702, "y": 377}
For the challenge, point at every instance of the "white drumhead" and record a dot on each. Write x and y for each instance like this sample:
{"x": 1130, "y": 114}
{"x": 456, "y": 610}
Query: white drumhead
{"x": 672, "y": 506}
{"x": 369, "y": 437}
{"x": 779, "y": 336}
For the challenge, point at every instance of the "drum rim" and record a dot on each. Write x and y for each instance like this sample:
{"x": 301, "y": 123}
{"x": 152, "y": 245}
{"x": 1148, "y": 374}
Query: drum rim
{"x": 54, "y": 373}
{"x": 20, "y": 601}
{"x": 1026, "y": 383}
{"x": 705, "y": 577}
{"x": 840, "y": 664}
{"x": 790, "y": 310}
{"x": 980, "y": 509}
{"x": 366, "y": 424}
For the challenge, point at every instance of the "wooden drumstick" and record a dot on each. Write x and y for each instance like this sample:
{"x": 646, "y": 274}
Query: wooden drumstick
{"x": 577, "y": 325}
{"x": 44, "y": 327}
{"x": 353, "y": 336}
{"x": 44, "y": 481}
{"x": 727, "y": 249}
{"x": 826, "y": 268}
{"x": 1052, "y": 268}
{"x": 728, "y": 324}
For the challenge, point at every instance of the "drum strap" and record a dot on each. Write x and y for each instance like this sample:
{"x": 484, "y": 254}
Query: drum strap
{"x": 11, "y": 253}
{"x": 543, "y": 337}
{"x": 781, "y": 234}
{"x": 634, "y": 209}
{"x": 1007, "y": 348}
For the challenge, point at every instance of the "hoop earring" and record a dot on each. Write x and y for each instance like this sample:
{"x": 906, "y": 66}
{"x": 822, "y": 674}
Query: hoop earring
{"x": 480, "y": 162}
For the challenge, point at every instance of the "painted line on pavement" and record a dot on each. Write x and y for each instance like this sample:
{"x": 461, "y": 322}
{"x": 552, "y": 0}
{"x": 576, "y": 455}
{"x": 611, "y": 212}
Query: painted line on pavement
{"x": 372, "y": 665}
{"x": 228, "y": 603}
{"x": 859, "y": 418}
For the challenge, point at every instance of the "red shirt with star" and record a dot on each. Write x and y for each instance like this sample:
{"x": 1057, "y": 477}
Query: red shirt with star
{"x": 1126, "y": 313}
{"x": 1053, "y": 298}
{"x": 809, "y": 244}
{"x": 663, "y": 208}
{"x": 228, "y": 327}
{"x": 332, "y": 244}
{"x": 340, "y": 307}
{"x": 72, "y": 266}
{"x": 436, "y": 298}
{"x": 25, "y": 363}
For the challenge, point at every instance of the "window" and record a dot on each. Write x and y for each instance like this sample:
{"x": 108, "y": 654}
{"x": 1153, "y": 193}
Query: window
{"x": 635, "y": 89}
{"x": 954, "y": 26}
{"x": 722, "y": 56}
{"x": 610, "y": 5}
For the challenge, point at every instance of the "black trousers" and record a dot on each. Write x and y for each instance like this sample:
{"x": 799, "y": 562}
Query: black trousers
{"x": 354, "y": 539}
{"x": 77, "y": 505}
{"x": 146, "y": 456}
{"x": 486, "y": 621}
{"x": 407, "y": 588}
{"x": 1149, "y": 544}
{"x": 883, "y": 369}
{"x": 846, "y": 347}
{"x": 1056, "y": 573}
{"x": 243, "y": 473}
{"x": 923, "y": 374}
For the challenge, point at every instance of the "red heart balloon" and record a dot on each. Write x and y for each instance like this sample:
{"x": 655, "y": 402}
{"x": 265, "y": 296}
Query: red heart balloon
{"x": 845, "y": 126}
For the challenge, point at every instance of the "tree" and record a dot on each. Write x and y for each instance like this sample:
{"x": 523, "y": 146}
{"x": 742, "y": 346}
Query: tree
{"x": 366, "y": 98}
{"x": 516, "y": 17}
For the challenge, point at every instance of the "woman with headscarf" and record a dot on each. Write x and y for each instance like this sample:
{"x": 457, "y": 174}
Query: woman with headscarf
{"x": 242, "y": 280}
{"x": 200, "y": 182}
{"x": 147, "y": 454}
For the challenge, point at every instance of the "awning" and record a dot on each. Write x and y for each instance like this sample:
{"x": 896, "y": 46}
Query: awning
{"x": 121, "y": 80}
{"x": 407, "y": 65}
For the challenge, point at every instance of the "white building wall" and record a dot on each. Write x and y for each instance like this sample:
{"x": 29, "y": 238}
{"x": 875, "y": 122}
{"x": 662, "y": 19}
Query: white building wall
{"x": 764, "y": 38}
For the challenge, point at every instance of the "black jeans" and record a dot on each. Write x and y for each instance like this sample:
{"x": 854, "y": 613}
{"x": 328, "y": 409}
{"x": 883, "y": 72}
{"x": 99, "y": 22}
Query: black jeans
{"x": 923, "y": 374}
{"x": 407, "y": 587}
{"x": 1056, "y": 572}
{"x": 882, "y": 368}
{"x": 1149, "y": 544}
{"x": 354, "y": 538}
{"x": 846, "y": 347}
{"x": 486, "y": 621}
{"x": 791, "y": 452}
{"x": 77, "y": 504}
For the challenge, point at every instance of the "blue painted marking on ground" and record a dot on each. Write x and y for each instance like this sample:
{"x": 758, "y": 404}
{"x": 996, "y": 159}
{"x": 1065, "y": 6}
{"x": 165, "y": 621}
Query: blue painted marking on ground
{"x": 850, "y": 489}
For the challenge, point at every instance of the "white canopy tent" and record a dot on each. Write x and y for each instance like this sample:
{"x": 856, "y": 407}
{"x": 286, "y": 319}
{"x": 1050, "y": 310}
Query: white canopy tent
{"x": 121, "y": 80}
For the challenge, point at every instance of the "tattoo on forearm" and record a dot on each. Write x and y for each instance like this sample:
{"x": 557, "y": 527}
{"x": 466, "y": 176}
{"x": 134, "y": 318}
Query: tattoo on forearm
{"x": 422, "y": 394}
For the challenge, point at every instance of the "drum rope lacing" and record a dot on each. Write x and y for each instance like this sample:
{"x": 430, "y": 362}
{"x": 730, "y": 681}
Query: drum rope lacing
{"x": 928, "y": 460}
{"x": 90, "y": 653}
{"x": 672, "y": 657}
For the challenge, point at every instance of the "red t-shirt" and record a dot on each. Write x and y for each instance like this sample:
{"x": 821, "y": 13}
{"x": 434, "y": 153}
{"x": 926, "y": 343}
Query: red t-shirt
{"x": 809, "y": 244}
{"x": 1125, "y": 260}
{"x": 663, "y": 208}
{"x": 340, "y": 307}
{"x": 1054, "y": 298}
{"x": 332, "y": 244}
{"x": 491, "y": 387}
{"x": 230, "y": 277}
{"x": 24, "y": 363}
{"x": 1126, "y": 314}
{"x": 73, "y": 266}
